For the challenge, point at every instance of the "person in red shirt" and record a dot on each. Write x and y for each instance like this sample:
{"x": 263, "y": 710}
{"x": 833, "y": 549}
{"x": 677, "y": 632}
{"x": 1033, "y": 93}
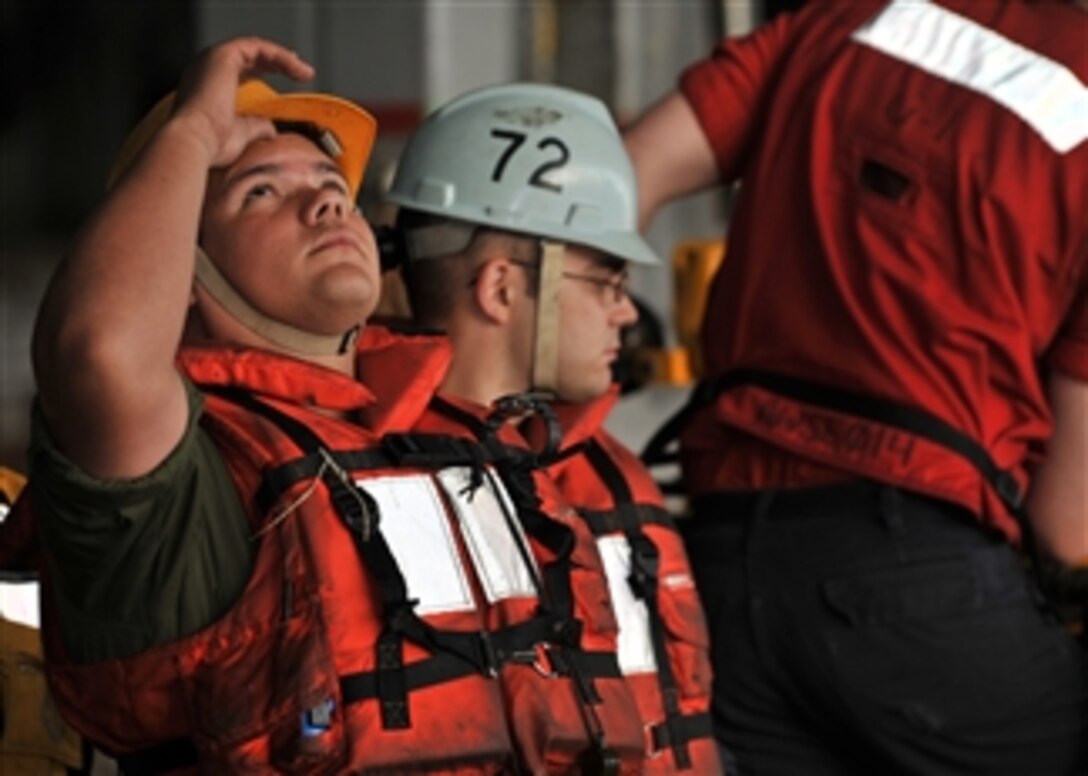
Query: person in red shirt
{"x": 897, "y": 347}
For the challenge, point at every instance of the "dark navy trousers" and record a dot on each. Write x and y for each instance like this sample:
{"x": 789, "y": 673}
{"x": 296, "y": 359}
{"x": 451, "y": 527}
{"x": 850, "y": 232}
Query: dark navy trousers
{"x": 861, "y": 629}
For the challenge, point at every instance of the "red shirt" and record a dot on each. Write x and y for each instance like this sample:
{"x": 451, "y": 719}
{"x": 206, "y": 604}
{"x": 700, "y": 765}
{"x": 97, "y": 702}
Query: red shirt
{"x": 913, "y": 225}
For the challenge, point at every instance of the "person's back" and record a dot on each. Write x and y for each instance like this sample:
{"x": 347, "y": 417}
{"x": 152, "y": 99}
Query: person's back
{"x": 910, "y": 226}
{"x": 895, "y": 339}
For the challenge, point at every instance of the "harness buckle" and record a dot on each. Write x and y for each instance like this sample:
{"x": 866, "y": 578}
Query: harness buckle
{"x": 645, "y": 566}
{"x": 540, "y": 658}
{"x": 528, "y": 404}
{"x": 653, "y": 749}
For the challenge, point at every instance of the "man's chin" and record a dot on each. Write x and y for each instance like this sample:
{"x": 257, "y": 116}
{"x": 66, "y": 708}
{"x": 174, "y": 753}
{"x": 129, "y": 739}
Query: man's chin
{"x": 584, "y": 390}
{"x": 353, "y": 299}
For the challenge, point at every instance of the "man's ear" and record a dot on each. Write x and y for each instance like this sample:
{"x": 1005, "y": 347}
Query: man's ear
{"x": 496, "y": 289}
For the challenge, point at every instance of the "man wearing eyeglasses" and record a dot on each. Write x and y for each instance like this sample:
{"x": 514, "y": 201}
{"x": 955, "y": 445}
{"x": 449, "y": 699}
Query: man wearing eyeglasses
{"x": 517, "y": 222}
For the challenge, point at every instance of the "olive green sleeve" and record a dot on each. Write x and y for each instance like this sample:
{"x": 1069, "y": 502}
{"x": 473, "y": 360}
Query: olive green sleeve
{"x": 138, "y": 562}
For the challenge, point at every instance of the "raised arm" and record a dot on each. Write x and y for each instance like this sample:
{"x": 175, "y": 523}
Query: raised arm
{"x": 1058, "y": 502}
{"x": 671, "y": 155}
{"x": 109, "y": 327}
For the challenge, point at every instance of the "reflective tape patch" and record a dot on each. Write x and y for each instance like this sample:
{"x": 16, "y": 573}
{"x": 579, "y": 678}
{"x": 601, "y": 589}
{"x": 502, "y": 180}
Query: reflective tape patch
{"x": 19, "y": 603}
{"x": 636, "y": 650}
{"x": 494, "y": 548}
{"x": 677, "y": 582}
{"x": 416, "y": 527}
{"x": 1040, "y": 91}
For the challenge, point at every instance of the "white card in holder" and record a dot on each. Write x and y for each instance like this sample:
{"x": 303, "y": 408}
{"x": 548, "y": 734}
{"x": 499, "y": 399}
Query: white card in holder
{"x": 418, "y": 531}
{"x": 491, "y": 542}
{"x": 636, "y": 651}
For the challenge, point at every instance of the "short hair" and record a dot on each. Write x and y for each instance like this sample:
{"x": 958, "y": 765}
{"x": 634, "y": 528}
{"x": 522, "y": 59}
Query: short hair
{"x": 315, "y": 134}
{"x": 432, "y": 283}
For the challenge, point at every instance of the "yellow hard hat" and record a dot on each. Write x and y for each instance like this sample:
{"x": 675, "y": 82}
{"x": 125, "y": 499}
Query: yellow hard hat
{"x": 352, "y": 127}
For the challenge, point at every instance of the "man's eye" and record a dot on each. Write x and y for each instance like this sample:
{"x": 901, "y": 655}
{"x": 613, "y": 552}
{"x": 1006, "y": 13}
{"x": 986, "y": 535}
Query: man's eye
{"x": 259, "y": 191}
{"x": 336, "y": 185}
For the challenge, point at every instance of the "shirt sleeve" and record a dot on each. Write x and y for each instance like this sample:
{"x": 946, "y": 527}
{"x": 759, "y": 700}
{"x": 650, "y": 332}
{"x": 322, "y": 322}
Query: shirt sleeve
{"x": 728, "y": 90}
{"x": 139, "y": 562}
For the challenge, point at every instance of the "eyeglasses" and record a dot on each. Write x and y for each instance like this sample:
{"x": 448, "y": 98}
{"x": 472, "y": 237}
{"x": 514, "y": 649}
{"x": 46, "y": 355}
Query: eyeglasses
{"x": 619, "y": 286}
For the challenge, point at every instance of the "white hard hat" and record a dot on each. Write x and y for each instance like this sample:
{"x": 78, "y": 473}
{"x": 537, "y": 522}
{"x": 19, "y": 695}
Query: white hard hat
{"x": 535, "y": 159}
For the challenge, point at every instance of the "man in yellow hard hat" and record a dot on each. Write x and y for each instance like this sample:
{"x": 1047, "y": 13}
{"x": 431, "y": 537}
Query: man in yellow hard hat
{"x": 241, "y": 574}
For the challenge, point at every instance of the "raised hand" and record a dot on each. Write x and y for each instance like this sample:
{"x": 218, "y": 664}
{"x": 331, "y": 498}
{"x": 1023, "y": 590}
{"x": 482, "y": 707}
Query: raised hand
{"x": 205, "y": 99}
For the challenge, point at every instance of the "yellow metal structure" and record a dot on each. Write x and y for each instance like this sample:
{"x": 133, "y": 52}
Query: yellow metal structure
{"x": 34, "y": 740}
{"x": 694, "y": 264}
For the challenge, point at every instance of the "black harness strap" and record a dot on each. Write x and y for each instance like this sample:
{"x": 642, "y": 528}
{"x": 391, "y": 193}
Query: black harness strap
{"x": 644, "y": 582}
{"x": 658, "y": 449}
{"x": 901, "y": 416}
{"x": 626, "y": 517}
{"x": 890, "y": 413}
{"x": 561, "y": 455}
{"x": 474, "y": 424}
{"x": 523, "y": 647}
{"x": 689, "y": 728}
{"x": 275, "y": 481}
{"x": 424, "y": 451}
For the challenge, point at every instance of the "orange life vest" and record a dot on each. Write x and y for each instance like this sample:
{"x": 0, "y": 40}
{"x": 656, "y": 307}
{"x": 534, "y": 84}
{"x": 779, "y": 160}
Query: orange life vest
{"x": 385, "y": 626}
{"x": 663, "y": 634}
{"x": 591, "y": 702}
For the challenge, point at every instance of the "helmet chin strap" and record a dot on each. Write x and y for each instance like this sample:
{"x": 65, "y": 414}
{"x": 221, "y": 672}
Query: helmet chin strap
{"x": 545, "y": 375}
{"x": 287, "y": 337}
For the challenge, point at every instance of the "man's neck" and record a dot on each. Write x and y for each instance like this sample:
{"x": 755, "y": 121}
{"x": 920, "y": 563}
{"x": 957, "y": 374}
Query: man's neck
{"x": 228, "y": 331}
{"x": 482, "y": 370}
{"x": 479, "y": 383}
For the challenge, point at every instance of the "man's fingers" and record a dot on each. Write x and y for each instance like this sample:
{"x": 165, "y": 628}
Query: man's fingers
{"x": 244, "y": 131}
{"x": 228, "y": 64}
{"x": 260, "y": 56}
{"x": 254, "y": 128}
{"x": 209, "y": 85}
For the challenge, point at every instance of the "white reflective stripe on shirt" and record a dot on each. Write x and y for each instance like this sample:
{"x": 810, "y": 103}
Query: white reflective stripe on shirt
{"x": 19, "y": 603}
{"x": 417, "y": 529}
{"x": 636, "y": 650}
{"x": 1043, "y": 93}
{"x": 491, "y": 542}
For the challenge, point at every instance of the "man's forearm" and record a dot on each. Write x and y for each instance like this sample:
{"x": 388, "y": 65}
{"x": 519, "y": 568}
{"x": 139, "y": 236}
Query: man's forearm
{"x": 671, "y": 155}
{"x": 1058, "y": 502}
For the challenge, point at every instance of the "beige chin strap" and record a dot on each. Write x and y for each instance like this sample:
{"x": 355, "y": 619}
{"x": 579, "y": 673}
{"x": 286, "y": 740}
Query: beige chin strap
{"x": 287, "y": 337}
{"x": 545, "y": 376}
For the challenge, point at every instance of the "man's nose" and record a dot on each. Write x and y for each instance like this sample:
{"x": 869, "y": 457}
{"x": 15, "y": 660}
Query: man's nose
{"x": 625, "y": 312}
{"x": 327, "y": 204}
